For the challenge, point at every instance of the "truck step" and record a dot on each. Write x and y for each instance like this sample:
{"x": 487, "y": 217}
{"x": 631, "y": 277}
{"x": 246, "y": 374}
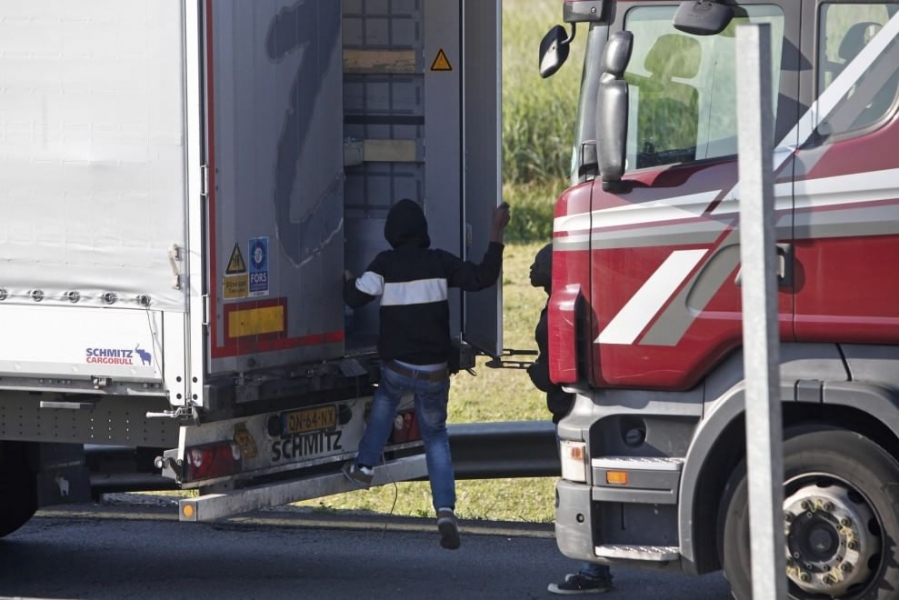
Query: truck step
{"x": 218, "y": 506}
{"x": 637, "y": 463}
{"x": 646, "y": 553}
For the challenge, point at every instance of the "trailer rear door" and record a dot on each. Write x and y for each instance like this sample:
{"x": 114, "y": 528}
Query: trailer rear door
{"x": 482, "y": 85}
{"x": 275, "y": 206}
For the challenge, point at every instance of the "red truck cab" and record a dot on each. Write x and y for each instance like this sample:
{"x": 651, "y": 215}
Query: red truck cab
{"x": 645, "y": 317}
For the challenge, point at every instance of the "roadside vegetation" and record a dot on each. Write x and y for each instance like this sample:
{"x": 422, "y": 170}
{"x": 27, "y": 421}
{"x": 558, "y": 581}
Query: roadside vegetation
{"x": 538, "y": 125}
{"x": 538, "y": 118}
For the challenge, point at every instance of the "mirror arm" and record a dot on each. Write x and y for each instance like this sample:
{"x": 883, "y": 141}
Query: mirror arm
{"x": 572, "y": 35}
{"x": 615, "y": 187}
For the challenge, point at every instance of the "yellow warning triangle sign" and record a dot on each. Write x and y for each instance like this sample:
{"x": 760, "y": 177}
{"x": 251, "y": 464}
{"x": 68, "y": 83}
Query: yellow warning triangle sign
{"x": 236, "y": 265}
{"x": 441, "y": 63}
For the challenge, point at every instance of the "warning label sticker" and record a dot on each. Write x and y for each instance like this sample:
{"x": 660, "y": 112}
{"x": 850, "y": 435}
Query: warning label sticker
{"x": 236, "y": 264}
{"x": 235, "y": 286}
{"x": 441, "y": 62}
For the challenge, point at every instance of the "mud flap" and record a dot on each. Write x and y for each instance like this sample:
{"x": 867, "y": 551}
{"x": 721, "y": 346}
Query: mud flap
{"x": 62, "y": 475}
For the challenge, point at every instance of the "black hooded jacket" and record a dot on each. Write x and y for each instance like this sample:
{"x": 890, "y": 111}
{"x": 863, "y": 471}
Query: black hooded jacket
{"x": 558, "y": 401}
{"x": 412, "y": 282}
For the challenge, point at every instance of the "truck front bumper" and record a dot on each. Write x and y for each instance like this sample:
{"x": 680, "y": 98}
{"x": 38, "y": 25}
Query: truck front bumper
{"x": 574, "y": 521}
{"x": 619, "y": 526}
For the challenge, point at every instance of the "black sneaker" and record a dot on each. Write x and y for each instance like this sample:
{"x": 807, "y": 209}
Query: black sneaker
{"x": 580, "y": 584}
{"x": 359, "y": 476}
{"x": 448, "y": 528}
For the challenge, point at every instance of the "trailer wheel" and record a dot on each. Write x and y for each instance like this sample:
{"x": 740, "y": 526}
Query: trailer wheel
{"x": 841, "y": 520}
{"x": 18, "y": 495}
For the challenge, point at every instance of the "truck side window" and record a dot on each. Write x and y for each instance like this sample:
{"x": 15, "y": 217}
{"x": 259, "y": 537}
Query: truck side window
{"x": 844, "y": 31}
{"x": 683, "y": 88}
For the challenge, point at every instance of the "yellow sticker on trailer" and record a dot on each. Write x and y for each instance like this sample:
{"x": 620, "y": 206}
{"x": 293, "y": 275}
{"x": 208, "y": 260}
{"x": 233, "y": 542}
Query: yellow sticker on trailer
{"x": 256, "y": 321}
{"x": 441, "y": 63}
{"x": 236, "y": 264}
{"x": 235, "y": 286}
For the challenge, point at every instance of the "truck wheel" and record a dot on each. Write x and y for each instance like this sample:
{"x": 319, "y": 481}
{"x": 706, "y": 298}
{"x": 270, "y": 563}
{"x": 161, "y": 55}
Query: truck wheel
{"x": 841, "y": 520}
{"x": 18, "y": 496}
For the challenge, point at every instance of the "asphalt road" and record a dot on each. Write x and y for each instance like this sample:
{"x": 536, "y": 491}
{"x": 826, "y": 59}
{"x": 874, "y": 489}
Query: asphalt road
{"x": 127, "y": 551}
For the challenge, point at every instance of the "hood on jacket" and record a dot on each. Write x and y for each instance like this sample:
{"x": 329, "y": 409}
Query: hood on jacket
{"x": 406, "y": 225}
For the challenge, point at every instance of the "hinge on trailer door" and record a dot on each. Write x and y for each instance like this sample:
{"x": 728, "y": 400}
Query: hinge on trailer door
{"x": 206, "y": 315}
{"x": 175, "y": 257}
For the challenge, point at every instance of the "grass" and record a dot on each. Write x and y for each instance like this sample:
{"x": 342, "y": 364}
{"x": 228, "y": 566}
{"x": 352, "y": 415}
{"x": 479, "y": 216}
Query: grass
{"x": 538, "y": 114}
{"x": 538, "y": 118}
{"x": 532, "y": 205}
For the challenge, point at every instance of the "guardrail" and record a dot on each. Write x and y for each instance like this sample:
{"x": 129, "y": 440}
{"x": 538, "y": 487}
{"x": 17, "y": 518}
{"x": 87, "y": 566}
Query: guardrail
{"x": 509, "y": 449}
{"x": 505, "y": 449}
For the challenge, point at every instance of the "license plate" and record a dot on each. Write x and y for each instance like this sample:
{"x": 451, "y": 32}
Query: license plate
{"x": 310, "y": 419}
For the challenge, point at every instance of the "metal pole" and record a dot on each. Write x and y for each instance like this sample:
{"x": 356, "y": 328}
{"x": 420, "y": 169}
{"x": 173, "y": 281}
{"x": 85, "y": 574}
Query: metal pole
{"x": 761, "y": 362}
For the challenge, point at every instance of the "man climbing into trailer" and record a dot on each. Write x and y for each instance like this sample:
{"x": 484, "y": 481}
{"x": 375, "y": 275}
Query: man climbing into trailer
{"x": 591, "y": 578}
{"x": 414, "y": 343}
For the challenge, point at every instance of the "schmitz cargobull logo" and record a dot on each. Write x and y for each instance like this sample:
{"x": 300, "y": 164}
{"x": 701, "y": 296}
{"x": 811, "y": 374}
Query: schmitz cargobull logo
{"x": 117, "y": 356}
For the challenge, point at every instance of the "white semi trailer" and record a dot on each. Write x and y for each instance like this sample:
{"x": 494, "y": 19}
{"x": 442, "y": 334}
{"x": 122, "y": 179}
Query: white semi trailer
{"x": 182, "y": 185}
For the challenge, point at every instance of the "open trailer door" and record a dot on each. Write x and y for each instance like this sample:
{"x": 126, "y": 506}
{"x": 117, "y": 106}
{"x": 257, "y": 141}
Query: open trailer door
{"x": 482, "y": 168}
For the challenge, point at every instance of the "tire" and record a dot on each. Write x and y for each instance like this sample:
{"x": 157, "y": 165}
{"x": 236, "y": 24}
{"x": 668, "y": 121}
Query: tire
{"x": 18, "y": 494}
{"x": 863, "y": 481}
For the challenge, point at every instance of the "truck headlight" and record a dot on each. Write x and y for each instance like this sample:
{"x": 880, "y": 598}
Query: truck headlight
{"x": 574, "y": 461}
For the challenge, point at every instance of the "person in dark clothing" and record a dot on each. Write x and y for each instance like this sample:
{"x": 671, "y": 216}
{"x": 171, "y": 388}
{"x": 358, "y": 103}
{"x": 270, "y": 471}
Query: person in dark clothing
{"x": 558, "y": 401}
{"x": 591, "y": 578}
{"x": 414, "y": 343}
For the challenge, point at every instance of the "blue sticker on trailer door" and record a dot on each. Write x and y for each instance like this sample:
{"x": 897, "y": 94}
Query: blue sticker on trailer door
{"x": 258, "y": 253}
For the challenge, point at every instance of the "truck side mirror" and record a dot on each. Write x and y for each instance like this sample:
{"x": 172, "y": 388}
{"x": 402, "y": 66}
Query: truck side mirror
{"x": 702, "y": 17}
{"x": 612, "y": 109}
{"x": 554, "y": 50}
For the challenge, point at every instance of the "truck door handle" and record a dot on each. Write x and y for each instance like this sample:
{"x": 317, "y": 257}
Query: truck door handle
{"x": 784, "y": 267}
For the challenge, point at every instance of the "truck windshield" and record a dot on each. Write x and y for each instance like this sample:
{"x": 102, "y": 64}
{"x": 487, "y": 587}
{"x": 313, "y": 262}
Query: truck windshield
{"x": 683, "y": 88}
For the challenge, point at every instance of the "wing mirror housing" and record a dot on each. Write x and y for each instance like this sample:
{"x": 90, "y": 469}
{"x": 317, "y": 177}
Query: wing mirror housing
{"x": 583, "y": 11}
{"x": 702, "y": 17}
{"x": 554, "y": 50}
{"x": 612, "y": 109}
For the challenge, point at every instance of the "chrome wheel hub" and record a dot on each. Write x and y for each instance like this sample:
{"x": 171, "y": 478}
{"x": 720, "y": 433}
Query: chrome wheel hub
{"x": 829, "y": 539}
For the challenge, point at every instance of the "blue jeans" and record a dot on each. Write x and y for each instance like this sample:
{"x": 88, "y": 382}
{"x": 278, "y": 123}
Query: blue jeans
{"x": 595, "y": 571}
{"x": 431, "y": 398}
